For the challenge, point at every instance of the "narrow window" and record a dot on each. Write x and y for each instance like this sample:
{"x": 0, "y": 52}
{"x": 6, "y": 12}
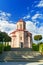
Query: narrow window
{"x": 20, "y": 38}
{"x": 24, "y": 26}
{"x": 17, "y": 26}
{"x": 20, "y": 26}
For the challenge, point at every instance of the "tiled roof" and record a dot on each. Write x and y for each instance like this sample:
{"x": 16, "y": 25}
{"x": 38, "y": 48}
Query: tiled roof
{"x": 13, "y": 32}
{"x": 13, "y": 36}
{"x": 16, "y": 31}
{"x": 20, "y": 30}
{"x": 21, "y": 20}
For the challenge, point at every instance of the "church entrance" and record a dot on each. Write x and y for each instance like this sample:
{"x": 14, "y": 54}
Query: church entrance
{"x": 21, "y": 44}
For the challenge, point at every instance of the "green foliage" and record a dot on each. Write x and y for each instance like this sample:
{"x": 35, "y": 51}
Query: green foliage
{"x": 1, "y": 48}
{"x": 4, "y": 37}
{"x": 4, "y": 48}
{"x": 7, "y": 48}
{"x": 41, "y": 47}
{"x": 1, "y": 37}
{"x": 40, "y": 43}
{"x": 37, "y": 37}
{"x": 35, "y": 47}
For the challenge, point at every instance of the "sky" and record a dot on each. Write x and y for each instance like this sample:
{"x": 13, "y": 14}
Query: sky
{"x": 31, "y": 11}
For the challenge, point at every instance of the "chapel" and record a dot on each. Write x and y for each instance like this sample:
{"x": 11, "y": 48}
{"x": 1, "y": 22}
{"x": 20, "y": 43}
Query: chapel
{"x": 21, "y": 38}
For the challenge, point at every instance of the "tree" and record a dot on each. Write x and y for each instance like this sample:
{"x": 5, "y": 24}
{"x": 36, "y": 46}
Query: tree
{"x": 37, "y": 37}
{"x": 35, "y": 47}
{"x": 4, "y": 37}
{"x": 41, "y": 48}
{"x": 1, "y": 48}
{"x": 1, "y": 37}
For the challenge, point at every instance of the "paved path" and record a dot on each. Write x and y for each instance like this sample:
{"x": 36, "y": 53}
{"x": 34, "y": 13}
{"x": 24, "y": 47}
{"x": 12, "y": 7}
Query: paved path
{"x": 21, "y": 63}
{"x": 21, "y": 56}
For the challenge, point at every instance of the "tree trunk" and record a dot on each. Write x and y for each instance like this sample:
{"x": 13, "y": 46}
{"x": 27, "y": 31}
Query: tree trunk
{"x": 5, "y": 43}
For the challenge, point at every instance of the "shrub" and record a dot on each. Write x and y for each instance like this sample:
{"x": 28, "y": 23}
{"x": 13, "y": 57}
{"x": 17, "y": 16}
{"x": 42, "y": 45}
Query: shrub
{"x": 1, "y": 48}
{"x": 41, "y": 47}
{"x": 7, "y": 48}
{"x": 35, "y": 47}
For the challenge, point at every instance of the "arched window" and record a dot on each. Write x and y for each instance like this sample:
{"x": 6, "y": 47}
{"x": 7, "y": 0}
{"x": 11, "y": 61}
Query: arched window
{"x": 20, "y": 38}
{"x": 17, "y": 26}
{"x": 20, "y": 26}
{"x": 24, "y": 26}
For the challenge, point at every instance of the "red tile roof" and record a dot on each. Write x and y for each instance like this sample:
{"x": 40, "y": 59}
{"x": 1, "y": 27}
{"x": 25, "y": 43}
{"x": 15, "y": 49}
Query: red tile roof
{"x": 16, "y": 31}
{"x": 13, "y": 32}
{"x": 29, "y": 34}
{"x": 21, "y": 21}
{"x": 13, "y": 36}
{"x": 20, "y": 30}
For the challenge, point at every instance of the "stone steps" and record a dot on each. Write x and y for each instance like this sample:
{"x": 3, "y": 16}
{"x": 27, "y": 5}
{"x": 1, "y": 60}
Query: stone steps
{"x": 21, "y": 56}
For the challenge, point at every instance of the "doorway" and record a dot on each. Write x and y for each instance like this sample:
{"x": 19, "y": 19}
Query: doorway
{"x": 21, "y": 44}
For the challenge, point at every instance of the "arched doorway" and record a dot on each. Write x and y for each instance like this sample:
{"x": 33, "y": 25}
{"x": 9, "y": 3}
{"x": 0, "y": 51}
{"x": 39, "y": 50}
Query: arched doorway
{"x": 21, "y": 44}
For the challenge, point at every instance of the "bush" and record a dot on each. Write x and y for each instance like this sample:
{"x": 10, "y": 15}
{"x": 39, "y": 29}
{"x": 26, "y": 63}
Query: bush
{"x": 35, "y": 47}
{"x": 1, "y": 48}
{"x": 41, "y": 47}
{"x": 7, "y": 48}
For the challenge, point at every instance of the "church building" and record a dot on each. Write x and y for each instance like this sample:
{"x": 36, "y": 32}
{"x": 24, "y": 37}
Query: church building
{"x": 21, "y": 38}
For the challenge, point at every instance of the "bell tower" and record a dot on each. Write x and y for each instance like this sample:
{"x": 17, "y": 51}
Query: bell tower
{"x": 21, "y": 25}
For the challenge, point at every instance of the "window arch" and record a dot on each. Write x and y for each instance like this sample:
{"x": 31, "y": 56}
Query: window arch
{"x": 17, "y": 26}
{"x": 20, "y": 26}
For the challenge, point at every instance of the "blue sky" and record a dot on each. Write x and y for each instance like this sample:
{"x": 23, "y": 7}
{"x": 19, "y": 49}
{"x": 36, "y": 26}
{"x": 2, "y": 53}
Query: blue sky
{"x": 31, "y": 11}
{"x": 20, "y": 8}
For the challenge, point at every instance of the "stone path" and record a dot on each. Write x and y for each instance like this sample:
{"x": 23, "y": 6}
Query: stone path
{"x": 21, "y": 63}
{"x": 21, "y": 56}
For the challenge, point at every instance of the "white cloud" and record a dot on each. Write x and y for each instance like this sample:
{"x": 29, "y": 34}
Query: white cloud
{"x": 31, "y": 27}
{"x": 5, "y": 24}
{"x": 41, "y": 30}
{"x": 32, "y": 10}
{"x": 26, "y": 17}
{"x": 37, "y": 15}
{"x": 8, "y": 14}
{"x": 40, "y": 4}
{"x": 4, "y": 15}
